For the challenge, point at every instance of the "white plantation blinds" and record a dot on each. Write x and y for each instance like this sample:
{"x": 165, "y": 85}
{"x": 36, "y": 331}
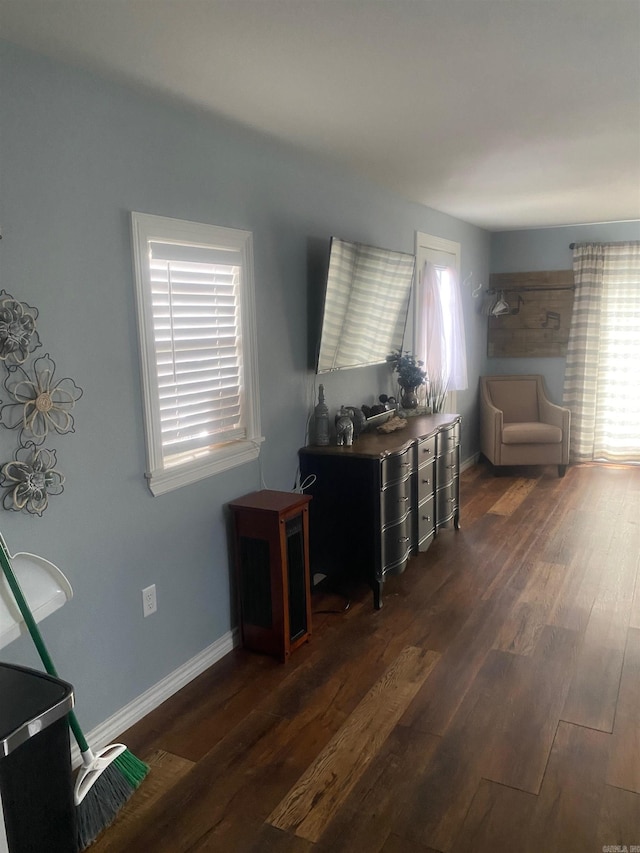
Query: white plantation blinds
{"x": 198, "y": 351}
{"x": 197, "y": 348}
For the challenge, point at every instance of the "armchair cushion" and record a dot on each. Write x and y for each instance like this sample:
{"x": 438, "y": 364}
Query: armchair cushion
{"x": 531, "y": 433}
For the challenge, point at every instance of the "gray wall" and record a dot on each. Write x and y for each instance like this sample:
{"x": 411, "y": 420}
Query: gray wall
{"x": 546, "y": 249}
{"x": 78, "y": 154}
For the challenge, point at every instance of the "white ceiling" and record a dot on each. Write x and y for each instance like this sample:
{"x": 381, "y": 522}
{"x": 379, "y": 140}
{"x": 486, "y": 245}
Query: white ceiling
{"x": 505, "y": 113}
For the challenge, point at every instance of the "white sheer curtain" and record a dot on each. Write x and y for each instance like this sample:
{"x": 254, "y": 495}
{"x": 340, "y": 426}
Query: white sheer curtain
{"x": 440, "y": 333}
{"x": 602, "y": 378}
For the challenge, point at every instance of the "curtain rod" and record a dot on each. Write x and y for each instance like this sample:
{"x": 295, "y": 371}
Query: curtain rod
{"x": 615, "y": 243}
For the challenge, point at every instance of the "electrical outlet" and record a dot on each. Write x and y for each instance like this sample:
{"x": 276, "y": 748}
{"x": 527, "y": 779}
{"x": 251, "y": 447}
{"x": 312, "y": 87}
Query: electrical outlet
{"x": 149, "y": 600}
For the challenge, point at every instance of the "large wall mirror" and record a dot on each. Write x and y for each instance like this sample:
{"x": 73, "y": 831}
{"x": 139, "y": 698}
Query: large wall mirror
{"x": 366, "y": 304}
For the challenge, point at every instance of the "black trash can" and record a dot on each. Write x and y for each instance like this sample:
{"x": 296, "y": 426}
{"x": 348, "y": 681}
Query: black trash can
{"x": 36, "y": 784}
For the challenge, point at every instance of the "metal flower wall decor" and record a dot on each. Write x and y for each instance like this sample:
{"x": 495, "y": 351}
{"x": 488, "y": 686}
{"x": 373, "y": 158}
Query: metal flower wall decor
{"x": 30, "y": 479}
{"x": 18, "y": 335}
{"x": 37, "y": 405}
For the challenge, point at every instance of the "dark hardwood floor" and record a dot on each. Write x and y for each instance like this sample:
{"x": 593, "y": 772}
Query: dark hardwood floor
{"x": 493, "y": 704}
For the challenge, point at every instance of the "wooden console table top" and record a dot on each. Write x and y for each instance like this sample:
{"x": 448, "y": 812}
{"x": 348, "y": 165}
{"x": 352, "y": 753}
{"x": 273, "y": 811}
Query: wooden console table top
{"x": 375, "y": 444}
{"x": 269, "y": 500}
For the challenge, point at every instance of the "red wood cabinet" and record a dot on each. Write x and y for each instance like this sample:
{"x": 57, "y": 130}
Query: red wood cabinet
{"x": 271, "y": 531}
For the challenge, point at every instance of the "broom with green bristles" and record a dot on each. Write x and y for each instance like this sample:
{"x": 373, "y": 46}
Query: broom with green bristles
{"x": 108, "y": 777}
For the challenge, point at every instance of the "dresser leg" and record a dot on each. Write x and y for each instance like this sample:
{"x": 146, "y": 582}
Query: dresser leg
{"x": 377, "y": 594}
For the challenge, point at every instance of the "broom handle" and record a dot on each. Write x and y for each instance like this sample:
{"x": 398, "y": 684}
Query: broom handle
{"x": 36, "y": 636}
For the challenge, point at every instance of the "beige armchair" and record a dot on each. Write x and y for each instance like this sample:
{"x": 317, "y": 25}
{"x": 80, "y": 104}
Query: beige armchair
{"x": 519, "y": 425}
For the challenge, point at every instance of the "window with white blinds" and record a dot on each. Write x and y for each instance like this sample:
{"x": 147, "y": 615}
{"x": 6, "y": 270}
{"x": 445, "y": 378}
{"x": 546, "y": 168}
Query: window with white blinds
{"x": 197, "y": 334}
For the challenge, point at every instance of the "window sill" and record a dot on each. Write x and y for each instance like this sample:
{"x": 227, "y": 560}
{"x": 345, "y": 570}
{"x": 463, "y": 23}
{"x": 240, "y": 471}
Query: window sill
{"x": 223, "y": 459}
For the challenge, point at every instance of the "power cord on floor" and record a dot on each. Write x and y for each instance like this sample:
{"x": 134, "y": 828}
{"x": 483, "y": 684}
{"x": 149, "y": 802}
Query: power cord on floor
{"x": 341, "y": 610}
{"x": 344, "y": 609}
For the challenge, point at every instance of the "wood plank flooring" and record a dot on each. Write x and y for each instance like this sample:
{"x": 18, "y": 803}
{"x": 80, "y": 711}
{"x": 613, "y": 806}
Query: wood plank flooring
{"x": 493, "y": 704}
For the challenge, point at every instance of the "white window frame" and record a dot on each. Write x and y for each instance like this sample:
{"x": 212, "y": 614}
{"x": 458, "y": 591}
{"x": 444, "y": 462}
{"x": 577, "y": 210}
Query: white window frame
{"x": 162, "y": 475}
{"x": 441, "y": 253}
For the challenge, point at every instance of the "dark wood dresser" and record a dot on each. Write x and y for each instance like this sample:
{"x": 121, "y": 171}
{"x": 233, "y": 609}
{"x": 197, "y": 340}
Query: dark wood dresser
{"x": 383, "y": 499}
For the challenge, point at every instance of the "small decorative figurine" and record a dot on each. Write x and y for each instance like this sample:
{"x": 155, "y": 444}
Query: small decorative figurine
{"x": 344, "y": 427}
{"x": 321, "y": 421}
{"x": 359, "y": 420}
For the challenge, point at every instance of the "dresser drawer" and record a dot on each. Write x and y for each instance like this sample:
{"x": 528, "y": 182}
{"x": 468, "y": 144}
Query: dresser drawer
{"x": 447, "y": 439}
{"x": 396, "y": 545}
{"x": 447, "y": 502}
{"x": 395, "y": 501}
{"x": 396, "y": 467}
{"x": 426, "y": 480}
{"x": 447, "y": 467}
{"x": 426, "y": 521}
{"x": 425, "y": 450}
{"x": 426, "y": 540}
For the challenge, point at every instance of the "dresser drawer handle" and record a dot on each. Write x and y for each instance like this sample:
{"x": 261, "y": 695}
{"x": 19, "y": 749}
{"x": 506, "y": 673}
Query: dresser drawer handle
{"x": 403, "y": 539}
{"x": 426, "y": 482}
{"x": 450, "y": 466}
{"x": 426, "y": 518}
{"x": 426, "y": 450}
{"x": 403, "y": 500}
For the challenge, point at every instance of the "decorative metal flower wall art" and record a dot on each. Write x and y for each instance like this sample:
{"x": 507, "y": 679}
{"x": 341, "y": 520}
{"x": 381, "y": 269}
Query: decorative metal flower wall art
{"x": 39, "y": 403}
{"x": 30, "y": 479}
{"x": 18, "y": 335}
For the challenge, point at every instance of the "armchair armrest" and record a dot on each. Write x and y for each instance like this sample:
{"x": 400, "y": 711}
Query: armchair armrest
{"x": 558, "y": 416}
{"x": 550, "y": 413}
{"x": 491, "y": 421}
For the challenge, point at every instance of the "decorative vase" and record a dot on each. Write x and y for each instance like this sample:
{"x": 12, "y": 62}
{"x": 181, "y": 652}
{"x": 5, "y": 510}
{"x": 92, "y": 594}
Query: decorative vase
{"x": 321, "y": 421}
{"x": 409, "y": 398}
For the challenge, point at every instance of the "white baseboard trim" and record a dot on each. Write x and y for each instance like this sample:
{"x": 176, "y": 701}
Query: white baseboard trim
{"x": 469, "y": 462}
{"x": 156, "y": 695}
